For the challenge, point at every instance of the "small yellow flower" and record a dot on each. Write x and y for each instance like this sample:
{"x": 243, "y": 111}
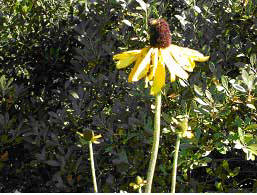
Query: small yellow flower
{"x": 89, "y": 136}
{"x": 150, "y": 61}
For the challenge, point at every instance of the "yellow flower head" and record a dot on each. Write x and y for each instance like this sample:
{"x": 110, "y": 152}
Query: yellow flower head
{"x": 150, "y": 61}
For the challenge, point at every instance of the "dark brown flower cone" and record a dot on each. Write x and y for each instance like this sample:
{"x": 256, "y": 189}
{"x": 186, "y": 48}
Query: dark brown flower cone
{"x": 160, "y": 36}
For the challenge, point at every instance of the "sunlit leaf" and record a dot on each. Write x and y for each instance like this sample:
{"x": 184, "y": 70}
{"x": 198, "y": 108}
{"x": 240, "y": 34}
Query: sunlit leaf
{"x": 198, "y": 90}
{"x": 200, "y": 101}
{"x": 251, "y": 106}
{"x": 142, "y": 4}
{"x": 74, "y": 94}
{"x": 239, "y": 87}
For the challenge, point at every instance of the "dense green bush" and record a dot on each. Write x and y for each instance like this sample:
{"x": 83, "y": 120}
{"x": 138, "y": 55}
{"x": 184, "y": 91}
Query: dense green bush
{"x": 57, "y": 77}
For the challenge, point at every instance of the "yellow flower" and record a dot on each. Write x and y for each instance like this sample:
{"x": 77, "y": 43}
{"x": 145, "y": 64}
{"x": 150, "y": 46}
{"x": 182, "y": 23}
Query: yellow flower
{"x": 150, "y": 61}
{"x": 89, "y": 136}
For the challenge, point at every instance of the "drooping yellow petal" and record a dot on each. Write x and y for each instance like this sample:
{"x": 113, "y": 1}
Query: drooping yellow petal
{"x": 126, "y": 58}
{"x": 186, "y": 51}
{"x": 185, "y": 55}
{"x": 125, "y": 62}
{"x": 172, "y": 65}
{"x": 144, "y": 72}
{"x": 126, "y": 54}
{"x": 159, "y": 76}
{"x": 191, "y": 65}
{"x": 142, "y": 61}
{"x": 185, "y": 61}
{"x": 172, "y": 77}
{"x": 201, "y": 59}
{"x": 154, "y": 62}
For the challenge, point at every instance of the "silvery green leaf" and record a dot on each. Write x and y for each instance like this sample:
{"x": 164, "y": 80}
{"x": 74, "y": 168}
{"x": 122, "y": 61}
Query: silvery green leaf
{"x": 250, "y": 83}
{"x": 239, "y": 87}
{"x": 224, "y": 81}
{"x": 232, "y": 81}
{"x": 74, "y": 94}
{"x": 198, "y": 90}
{"x": 253, "y": 59}
{"x": 238, "y": 145}
{"x": 240, "y": 55}
{"x": 183, "y": 83}
{"x": 127, "y": 22}
{"x": 245, "y": 77}
{"x": 251, "y": 106}
{"x": 142, "y": 4}
{"x": 200, "y": 101}
{"x": 197, "y": 9}
{"x": 212, "y": 67}
{"x": 220, "y": 88}
{"x": 182, "y": 20}
{"x": 209, "y": 96}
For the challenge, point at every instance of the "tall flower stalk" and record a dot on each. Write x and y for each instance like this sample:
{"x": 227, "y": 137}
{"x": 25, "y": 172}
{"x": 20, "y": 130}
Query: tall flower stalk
{"x": 175, "y": 164}
{"x": 91, "y": 152}
{"x": 150, "y": 63}
{"x": 89, "y": 138}
{"x": 156, "y": 140}
{"x": 181, "y": 131}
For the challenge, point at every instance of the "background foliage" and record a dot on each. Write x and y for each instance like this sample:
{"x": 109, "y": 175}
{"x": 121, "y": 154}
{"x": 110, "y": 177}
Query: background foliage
{"x": 57, "y": 77}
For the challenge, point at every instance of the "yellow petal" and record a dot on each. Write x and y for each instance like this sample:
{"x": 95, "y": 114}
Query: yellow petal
{"x": 126, "y": 58}
{"x": 142, "y": 61}
{"x": 159, "y": 77}
{"x": 125, "y": 62}
{"x": 178, "y": 55}
{"x": 126, "y": 54}
{"x": 154, "y": 62}
{"x": 191, "y": 65}
{"x": 172, "y": 77}
{"x": 145, "y": 72}
{"x": 202, "y": 59}
{"x": 186, "y": 51}
{"x": 172, "y": 65}
{"x": 182, "y": 54}
{"x": 183, "y": 60}
{"x": 97, "y": 136}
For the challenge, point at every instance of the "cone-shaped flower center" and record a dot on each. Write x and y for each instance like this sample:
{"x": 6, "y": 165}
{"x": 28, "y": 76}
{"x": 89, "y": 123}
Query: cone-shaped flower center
{"x": 159, "y": 33}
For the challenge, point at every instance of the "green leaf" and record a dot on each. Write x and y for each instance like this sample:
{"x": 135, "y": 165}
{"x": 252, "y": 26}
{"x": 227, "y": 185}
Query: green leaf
{"x": 212, "y": 67}
{"x": 198, "y": 90}
{"x": 53, "y": 163}
{"x": 241, "y": 135}
{"x": 128, "y": 23}
{"x": 200, "y": 101}
{"x": 225, "y": 165}
{"x": 209, "y": 96}
{"x": 253, "y": 59}
{"x": 253, "y": 148}
{"x": 248, "y": 138}
{"x": 209, "y": 171}
{"x": 183, "y": 83}
{"x": 74, "y": 94}
{"x": 251, "y": 127}
{"x": 166, "y": 117}
{"x": 224, "y": 81}
{"x": 239, "y": 87}
{"x": 245, "y": 77}
{"x": 235, "y": 172}
{"x": 142, "y": 4}
{"x": 219, "y": 186}
{"x": 251, "y": 106}
{"x": 2, "y": 82}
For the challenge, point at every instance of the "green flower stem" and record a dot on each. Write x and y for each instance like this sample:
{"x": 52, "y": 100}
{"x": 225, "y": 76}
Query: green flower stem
{"x": 175, "y": 164}
{"x": 92, "y": 165}
{"x": 155, "y": 147}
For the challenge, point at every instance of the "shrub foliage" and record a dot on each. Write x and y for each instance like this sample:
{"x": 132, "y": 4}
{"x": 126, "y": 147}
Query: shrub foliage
{"x": 57, "y": 77}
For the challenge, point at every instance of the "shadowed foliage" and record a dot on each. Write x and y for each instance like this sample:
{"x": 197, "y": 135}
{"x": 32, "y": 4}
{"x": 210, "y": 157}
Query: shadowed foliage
{"x": 57, "y": 77}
